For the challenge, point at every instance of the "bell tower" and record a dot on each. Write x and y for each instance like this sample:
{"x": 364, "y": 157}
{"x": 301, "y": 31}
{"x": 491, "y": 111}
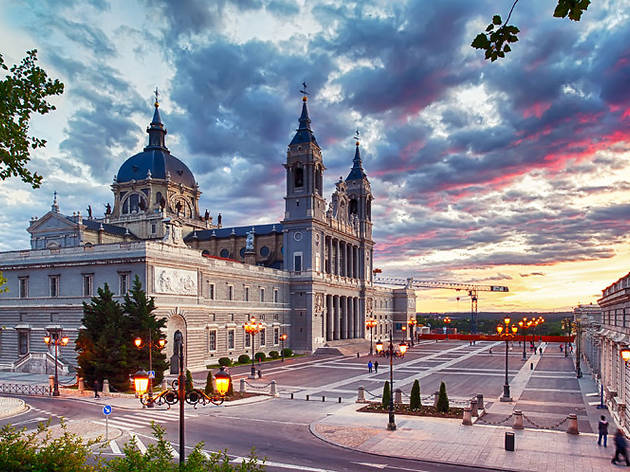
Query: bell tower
{"x": 360, "y": 195}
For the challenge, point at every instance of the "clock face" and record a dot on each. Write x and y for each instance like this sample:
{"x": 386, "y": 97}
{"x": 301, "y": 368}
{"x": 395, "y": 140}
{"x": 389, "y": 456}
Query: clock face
{"x": 297, "y": 236}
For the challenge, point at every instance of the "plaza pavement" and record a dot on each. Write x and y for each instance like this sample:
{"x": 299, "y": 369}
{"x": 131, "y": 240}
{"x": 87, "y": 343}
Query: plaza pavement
{"x": 544, "y": 387}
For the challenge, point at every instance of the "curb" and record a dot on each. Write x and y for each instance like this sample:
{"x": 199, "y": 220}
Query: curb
{"x": 15, "y": 407}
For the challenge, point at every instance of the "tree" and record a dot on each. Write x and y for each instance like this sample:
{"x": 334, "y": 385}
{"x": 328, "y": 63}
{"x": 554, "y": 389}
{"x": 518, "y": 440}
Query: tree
{"x": 103, "y": 346}
{"x": 442, "y": 403}
{"x": 414, "y": 401}
{"x": 209, "y": 390}
{"x": 496, "y": 40}
{"x": 386, "y": 394}
{"x": 22, "y": 92}
{"x": 188, "y": 383}
{"x": 141, "y": 320}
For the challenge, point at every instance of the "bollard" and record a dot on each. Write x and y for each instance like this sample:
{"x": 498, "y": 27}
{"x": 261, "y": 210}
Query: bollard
{"x": 518, "y": 419}
{"x": 480, "y": 402}
{"x": 573, "y": 424}
{"x": 357, "y": 355}
{"x": 291, "y": 395}
{"x": 509, "y": 441}
{"x": 531, "y": 366}
{"x": 164, "y": 384}
{"x": 435, "y": 399}
{"x": 51, "y": 383}
{"x": 323, "y": 398}
{"x": 339, "y": 399}
{"x": 473, "y": 408}
{"x": 81, "y": 384}
{"x": 242, "y": 386}
{"x": 398, "y": 396}
{"x": 308, "y": 397}
{"x": 105, "y": 387}
{"x": 361, "y": 395}
{"x": 274, "y": 389}
{"x": 259, "y": 374}
{"x": 467, "y": 420}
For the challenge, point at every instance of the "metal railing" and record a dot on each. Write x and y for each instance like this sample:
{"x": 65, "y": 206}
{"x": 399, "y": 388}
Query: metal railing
{"x": 25, "y": 389}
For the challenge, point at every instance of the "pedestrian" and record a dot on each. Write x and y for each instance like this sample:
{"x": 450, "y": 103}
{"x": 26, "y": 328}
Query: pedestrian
{"x": 603, "y": 431}
{"x": 490, "y": 351}
{"x": 560, "y": 347}
{"x": 620, "y": 447}
{"x": 376, "y": 367}
{"x": 540, "y": 350}
{"x": 369, "y": 367}
{"x": 96, "y": 387}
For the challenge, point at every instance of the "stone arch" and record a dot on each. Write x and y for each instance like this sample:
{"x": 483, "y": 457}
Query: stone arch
{"x": 176, "y": 321}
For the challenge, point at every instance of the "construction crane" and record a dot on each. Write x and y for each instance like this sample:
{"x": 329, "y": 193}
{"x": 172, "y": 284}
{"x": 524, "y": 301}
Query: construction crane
{"x": 472, "y": 290}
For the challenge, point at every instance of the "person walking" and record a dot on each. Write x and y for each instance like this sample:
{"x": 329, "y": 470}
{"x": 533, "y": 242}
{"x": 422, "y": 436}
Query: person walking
{"x": 369, "y": 367}
{"x": 376, "y": 367}
{"x": 603, "y": 431}
{"x": 620, "y": 447}
{"x": 96, "y": 387}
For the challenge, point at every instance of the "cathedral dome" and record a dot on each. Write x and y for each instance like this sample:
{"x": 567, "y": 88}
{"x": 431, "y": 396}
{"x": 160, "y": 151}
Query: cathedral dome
{"x": 156, "y": 160}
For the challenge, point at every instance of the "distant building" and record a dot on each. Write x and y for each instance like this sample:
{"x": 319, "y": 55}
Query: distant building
{"x": 309, "y": 275}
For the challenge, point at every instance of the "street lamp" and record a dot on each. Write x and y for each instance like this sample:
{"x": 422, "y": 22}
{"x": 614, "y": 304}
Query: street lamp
{"x": 391, "y": 425}
{"x": 55, "y": 338}
{"x": 379, "y": 346}
{"x": 283, "y": 338}
{"x": 447, "y": 321}
{"x": 371, "y": 323}
{"x": 252, "y": 327}
{"x": 412, "y": 332}
{"x": 160, "y": 345}
{"x": 404, "y": 333}
{"x": 141, "y": 382}
{"x": 510, "y": 332}
{"x": 524, "y": 324}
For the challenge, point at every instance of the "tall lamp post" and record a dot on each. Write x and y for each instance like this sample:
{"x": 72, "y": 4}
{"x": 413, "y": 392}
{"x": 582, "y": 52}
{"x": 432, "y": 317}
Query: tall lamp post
{"x": 283, "y": 338}
{"x": 160, "y": 345}
{"x": 403, "y": 336}
{"x": 578, "y": 347}
{"x": 391, "y": 424}
{"x": 371, "y": 323}
{"x": 252, "y": 327}
{"x": 55, "y": 338}
{"x": 447, "y": 321}
{"x": 510, "y": 332}
{"x": 524, "y": 324}
{"x": 412, "y": 332}
{"x": 566, "y": 327}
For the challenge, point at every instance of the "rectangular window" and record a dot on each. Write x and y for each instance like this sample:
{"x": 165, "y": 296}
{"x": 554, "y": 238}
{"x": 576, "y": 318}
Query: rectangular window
{"x": 23, "y": 287}
{"x": 123, "y": 284}
{"x": 230, "y": 339}
{"x": 246, "y": 297}
{"x": 262, "y": 337}
{"x": 275, "y": 295}
{"x": 153, "y": 228}
{"x": 54, "y": 285}
{"x": 23, "y": 343}
{"x": 212, "y": 340}
{"x": 88, "y": 280}
{"x": 262, "y": 294}
{"x": 211, "y": 291}
{"x": 230, "y": 294}
{"x": 276, "y": 336}
{"x": 297, "y": 262}
{"x": 248, "y": 339}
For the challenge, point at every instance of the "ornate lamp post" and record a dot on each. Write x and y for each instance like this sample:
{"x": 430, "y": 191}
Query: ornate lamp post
{"x": 391, "y": 425}
{"x": 404, "y": 333}
{"x": 371, "y": 323}
{"x": 160, "y": 345}
{"x": 510, "y": 332}
{"x": 566, "y": 327}
{"x": 524, "y": 324}
{"x": 447, "y": 321}
{"x": 55, "y": 338}
{"x": 283, "y": 338}
{"x": 252, "y": 327}
{"x": 412, "y": 331}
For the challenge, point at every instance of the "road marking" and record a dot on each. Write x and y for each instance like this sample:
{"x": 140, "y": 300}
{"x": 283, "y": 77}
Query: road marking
{"x": 141, "y": 447}
{"x": 172, "y": 450}
{"x": 114, "y": 446}
{"x": 260, "y": 420}
{"x": 367, "y": 464}
{"x": 285, "y": 466}
{"x": 32, "y": 420}
{"x": 593, "y": 403}
{"x": 119, "y": 426}
{"x": 594, "y": 394}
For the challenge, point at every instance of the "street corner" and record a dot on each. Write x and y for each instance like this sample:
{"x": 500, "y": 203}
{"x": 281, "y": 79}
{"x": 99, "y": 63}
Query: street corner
{"x": 10, "y": 407}
{"x": 353, "y": 437}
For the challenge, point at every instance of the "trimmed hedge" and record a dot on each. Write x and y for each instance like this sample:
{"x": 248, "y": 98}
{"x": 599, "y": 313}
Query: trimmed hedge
{"x": 260, "y": 356}
{"x": 286, "y": 352}
{"x": 225, "y": 361}
{"x": 274, "y": 354}
{"x": 243, "y": 359}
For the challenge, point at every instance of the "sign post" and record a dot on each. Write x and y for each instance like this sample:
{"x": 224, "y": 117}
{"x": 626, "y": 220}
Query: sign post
{"x": 107, "y": 410}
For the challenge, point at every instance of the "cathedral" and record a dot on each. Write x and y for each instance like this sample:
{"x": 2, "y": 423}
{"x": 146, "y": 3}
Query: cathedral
{"x": 309, "y": 276}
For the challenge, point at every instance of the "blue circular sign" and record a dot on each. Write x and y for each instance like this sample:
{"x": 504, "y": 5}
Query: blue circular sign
{"x": 107, "y": 409}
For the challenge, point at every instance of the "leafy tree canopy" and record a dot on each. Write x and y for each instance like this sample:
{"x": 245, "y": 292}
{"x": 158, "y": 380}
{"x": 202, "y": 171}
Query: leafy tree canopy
{"x": 23, "y": 91}
{"x": 496, "y": 40}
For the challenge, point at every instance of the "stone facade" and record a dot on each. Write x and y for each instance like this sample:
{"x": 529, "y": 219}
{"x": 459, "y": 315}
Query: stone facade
{"x": 309, "y": 276}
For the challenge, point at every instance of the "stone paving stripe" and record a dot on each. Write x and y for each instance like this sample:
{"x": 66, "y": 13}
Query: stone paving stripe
{"x": 594, "y": 403}
{"x": 141, "y": 447}
{"x": 537, "y": 389}
{"x": 114, "y": 447}
{"x": 594, "y": 394}
{"x": 123, "y": 426}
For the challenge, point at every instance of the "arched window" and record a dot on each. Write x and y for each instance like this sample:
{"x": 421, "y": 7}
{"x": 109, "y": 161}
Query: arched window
{"x": 354, "y": 207}
{"x": 158, "y": 198}
{"x": 133, "y": 203}
{"x": 318, "y": 180}
{"x": 369, "y": 209}
{"x": 298, "y": 172}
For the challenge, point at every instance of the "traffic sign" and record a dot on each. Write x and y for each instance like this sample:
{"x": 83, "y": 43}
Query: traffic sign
{"x": 107, "y": 409}
{"x": 151, "y": 374}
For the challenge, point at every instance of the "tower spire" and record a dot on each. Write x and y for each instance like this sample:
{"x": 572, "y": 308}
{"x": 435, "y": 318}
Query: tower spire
{"x": 156, "y": 128}
{"x": 357, "y": 171}
{"x": 304, "y": 134}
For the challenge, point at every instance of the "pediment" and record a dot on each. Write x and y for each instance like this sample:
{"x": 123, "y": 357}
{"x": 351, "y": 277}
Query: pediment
{"x": 52, "y": 222}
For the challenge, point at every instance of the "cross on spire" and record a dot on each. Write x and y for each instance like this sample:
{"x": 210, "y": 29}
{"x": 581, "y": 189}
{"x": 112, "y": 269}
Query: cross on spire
{"x": 157, "y": 94}
{"x": 304, "y": 87}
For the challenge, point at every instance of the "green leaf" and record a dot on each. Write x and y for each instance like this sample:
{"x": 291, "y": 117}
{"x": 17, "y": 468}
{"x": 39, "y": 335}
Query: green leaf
{"x": 496, "y": 19}
{"x": 507, "y": 48}
{"x": 490, "y": 27}
{"x": 481, "y": 42}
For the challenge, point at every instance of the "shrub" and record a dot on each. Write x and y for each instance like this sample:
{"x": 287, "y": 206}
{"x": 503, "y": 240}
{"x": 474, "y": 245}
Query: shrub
{"x": 225, "y": 361}
{"x": 209, "y": 390}
{"x": 442, "y": 403}
{"x": 386, "y": 394}
{"x": 243, "y": 359}
{"x": 260, "y": 356}
{"x": 230, "y": 391}
{"x": 188, "y": 385}
{"x": 415, "y": 402}
{"x": 286, "y": 352}
{"x": 274, "y": 354}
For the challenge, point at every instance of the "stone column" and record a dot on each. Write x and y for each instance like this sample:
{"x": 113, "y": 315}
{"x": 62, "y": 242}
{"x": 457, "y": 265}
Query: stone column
{"x": 350, "y": 312}
{"x": 337, "y": 318}
{"x": 518, "y": 419}
{"x": 350, "y": 261}
{"x": 329, "y": 318}
{"x": 344, "y": 317}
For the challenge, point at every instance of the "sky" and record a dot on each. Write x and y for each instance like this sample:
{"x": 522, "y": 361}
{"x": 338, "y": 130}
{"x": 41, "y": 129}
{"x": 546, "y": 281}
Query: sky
{"x": 511, "y": 173}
